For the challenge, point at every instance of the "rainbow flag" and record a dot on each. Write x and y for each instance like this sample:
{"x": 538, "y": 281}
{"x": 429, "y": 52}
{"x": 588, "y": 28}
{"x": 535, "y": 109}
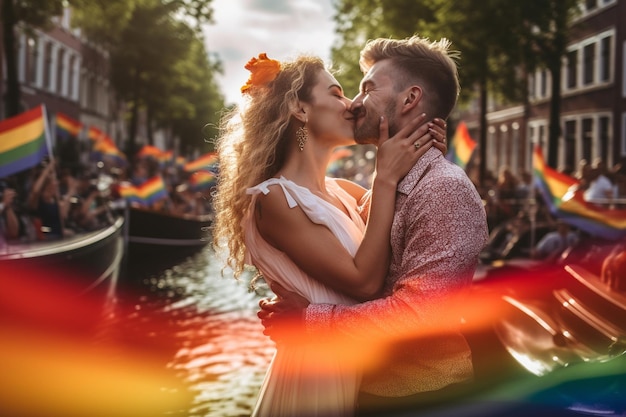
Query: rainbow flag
{"x": 95, "y": 134}
{"x": 151, "y": 191}
{"x": 206, "y": 161}
{"x": 462, "y": 147}
{"x": 149, "y": 151}
{"x": 180, "y": 161}
{"x": 66, "y": 127}
{"x": 106, "y": 148}
{"x": 23, "y": 141}
{"x": 165, "y": 157}
{"x": 338, "y": 155}
{"x": 202, "y": 180}
{"x": 558, "y": 191}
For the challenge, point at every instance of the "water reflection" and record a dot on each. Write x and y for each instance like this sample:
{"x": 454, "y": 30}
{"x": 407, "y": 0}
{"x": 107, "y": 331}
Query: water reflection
{"x": 201, "y": 326}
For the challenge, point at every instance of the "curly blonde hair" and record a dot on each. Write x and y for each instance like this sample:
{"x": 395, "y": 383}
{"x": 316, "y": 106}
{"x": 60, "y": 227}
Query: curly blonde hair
{"x": 252, "y": 146}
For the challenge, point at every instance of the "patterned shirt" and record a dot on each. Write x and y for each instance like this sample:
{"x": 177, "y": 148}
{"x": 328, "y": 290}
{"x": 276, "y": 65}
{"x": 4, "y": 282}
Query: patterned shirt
{"x": 439, "y": 228}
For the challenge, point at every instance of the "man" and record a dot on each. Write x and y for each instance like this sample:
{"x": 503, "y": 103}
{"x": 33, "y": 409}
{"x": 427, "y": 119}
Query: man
{"x": 438, "y": 231}
{"x": 552, "y": 245}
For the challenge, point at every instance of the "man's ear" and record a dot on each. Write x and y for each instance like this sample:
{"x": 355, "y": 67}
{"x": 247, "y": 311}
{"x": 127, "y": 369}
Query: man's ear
{"x": 412, "y": 97}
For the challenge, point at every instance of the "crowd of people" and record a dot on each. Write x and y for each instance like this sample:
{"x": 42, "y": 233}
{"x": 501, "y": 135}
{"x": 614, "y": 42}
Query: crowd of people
{"x": 55, "y": 199}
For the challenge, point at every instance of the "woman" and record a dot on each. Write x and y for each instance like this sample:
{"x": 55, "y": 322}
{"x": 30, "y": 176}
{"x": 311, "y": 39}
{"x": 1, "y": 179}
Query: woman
{"x": 278, "y": 211}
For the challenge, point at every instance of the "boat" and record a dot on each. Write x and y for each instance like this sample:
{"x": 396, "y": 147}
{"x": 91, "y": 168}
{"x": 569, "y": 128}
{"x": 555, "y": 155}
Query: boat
{"x": 69, "y": 279}
{"x": 153, "y": 232}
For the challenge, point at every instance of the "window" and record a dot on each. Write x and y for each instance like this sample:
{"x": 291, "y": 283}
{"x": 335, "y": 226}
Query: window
{"x": 543, "y": 86}
{"x": 624, "y": 70}
{"x": 570, "y": 144}
{"x": 587, "y": 142}
{"x": 47, "y": 66}
{"x": 71, "y": 76}
{"x": 604, "y": 137}
{"x": 589, "y": 62}
{"x": 605, "y": 59}
{"x": 589, "y": 54}
{"x": 572, "y": 73}
{"x": 61, "y": 89}
{"x": 594, "y": 6}
{"x": 623, "y": 134}
{"x": 31, "y": 61}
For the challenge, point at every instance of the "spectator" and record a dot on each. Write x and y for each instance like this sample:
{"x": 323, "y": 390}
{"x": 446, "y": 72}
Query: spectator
{"x": 601, "y": 190}
{"x": 44, "y": 203}
{"x": 552, "y": 245}
{"x": 9, "y": 222}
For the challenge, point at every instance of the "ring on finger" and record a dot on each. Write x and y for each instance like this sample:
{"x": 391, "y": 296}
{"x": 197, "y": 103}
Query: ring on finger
{"x": 417, "y": 145}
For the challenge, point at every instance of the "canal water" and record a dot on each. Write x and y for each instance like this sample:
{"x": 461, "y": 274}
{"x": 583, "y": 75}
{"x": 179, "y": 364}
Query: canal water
{"x": 200, "y": 325}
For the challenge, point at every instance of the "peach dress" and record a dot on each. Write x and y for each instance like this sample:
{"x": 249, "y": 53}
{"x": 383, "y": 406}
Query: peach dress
{"x": 291, "y": 386}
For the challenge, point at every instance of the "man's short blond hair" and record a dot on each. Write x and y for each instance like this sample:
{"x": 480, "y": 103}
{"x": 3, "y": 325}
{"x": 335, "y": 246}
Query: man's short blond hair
{"x": 431, "y": 64}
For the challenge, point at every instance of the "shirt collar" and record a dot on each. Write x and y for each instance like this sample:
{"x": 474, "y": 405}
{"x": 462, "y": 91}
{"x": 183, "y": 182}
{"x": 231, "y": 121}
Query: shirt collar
{"x": 419, "y": 169}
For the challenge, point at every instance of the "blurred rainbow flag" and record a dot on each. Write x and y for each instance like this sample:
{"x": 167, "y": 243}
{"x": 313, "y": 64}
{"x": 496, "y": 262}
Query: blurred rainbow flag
{"x": 66, "y": 127}
{"x": 338, "y": 155}
{"x": 95, "y": 134}
{"x": 151, "y": 151}
{"x": 180, "y": 161}
{"x": 207, "y": 161}
{"x": 558, "y": 191}
{"x": 202, "y": 180}
{"x": 23, "y": 141}
{"x": 104, "y": 147}
{"x": 462, "y": 147}
{"x": 149, "y": 192}
{"x": 165, "y": 157}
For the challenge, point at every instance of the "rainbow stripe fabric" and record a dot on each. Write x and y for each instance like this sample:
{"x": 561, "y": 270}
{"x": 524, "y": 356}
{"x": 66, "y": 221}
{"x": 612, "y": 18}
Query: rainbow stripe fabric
{"x": 66, "y": 127}
{"x": 95, "y": 134}
{"x": 207, "y": 161}
{"x": 151, "y": 151}
{"x": 202, "y": 180}
{"x": 338, "y": 155}
{"x": 462, "y": 147}
{"x": 105, "y": 148}
{"x": 557, "y": 190}
{"x": 23, "y": 141}
{"x": 149, "y": 192}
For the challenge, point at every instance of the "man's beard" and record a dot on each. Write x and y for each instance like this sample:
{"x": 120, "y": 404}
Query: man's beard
{"x": 368, "y": 132}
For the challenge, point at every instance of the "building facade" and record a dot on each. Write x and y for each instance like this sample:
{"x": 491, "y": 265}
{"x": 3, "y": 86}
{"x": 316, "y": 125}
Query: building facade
{"x": 593, "y": 100}
{"x": 67, "y": 73}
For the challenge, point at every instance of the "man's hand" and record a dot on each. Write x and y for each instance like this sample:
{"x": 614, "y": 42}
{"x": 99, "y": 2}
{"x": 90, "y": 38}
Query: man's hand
{"x": 283, "y": 315}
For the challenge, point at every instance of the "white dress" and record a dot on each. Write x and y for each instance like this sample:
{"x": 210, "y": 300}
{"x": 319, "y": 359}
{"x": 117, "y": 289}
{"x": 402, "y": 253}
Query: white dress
{"x": 291, "y": 387}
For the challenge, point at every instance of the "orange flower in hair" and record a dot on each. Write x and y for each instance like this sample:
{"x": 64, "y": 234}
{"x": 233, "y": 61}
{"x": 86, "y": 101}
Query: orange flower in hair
{"x": 262, "y": 71}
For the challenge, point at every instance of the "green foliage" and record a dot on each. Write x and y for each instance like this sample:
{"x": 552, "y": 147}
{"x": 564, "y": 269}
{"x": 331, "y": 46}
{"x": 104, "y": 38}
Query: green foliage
{"x": 360, "y": 20}
{"x": 37, "y": 13}
{"x": 102, "y": 21}
{"x": 158, "y": 63}
{"x": 500, "y": 41}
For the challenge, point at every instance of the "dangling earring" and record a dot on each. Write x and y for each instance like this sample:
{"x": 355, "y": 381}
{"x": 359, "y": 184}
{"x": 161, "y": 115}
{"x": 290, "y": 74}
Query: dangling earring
{"x": 302, "y": 135}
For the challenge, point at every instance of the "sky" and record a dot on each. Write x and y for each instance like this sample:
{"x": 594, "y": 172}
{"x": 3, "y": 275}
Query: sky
{"x": 281, "y": 28}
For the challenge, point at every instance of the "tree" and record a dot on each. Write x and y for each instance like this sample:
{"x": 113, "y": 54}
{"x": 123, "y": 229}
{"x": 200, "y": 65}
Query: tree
{"x": 151, "y": 48}
{"x": 543, "y": 34}
{"x": 190, "y": 99}
{"x": 478, "y": 28}
{"x": 360, "y": 20}
{"x": 483, "y": 30}
{"x": 30, "y": 13}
